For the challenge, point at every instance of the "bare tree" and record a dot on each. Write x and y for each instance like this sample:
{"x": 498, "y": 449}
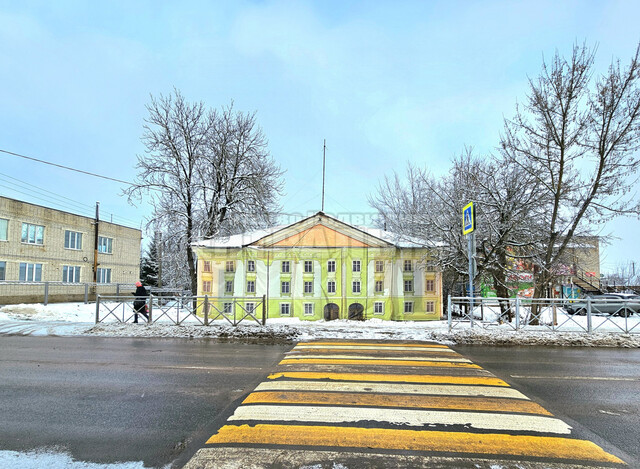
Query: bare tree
{"x": 577, "y": 137}
{"x": 207, "y": 173}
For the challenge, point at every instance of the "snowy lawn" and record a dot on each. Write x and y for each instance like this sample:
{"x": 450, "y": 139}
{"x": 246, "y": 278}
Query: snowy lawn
{"x": 79, "y": 319}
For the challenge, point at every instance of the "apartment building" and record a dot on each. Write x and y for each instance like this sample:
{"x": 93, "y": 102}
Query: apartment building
{"x": 321, "y": 268}
{"x": 40, "y": 244}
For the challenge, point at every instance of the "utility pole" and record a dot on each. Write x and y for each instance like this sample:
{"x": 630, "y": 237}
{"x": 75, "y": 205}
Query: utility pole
{"x": 95, "y": 245}
{"x": 324, "y": 151}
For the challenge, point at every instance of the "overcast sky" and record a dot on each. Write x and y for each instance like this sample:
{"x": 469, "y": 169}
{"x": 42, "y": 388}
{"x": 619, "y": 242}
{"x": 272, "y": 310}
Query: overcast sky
{"x": 383, "y": 82}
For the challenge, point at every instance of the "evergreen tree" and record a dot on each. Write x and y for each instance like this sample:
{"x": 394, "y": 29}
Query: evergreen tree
{"x": 150, "y": 262}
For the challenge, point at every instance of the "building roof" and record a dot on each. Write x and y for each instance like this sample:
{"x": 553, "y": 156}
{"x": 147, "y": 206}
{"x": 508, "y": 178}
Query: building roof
{"x": 318, "y": 230}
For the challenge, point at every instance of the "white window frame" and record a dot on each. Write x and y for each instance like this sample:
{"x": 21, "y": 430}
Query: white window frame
{"x": 356, "y": 286}
{"x": 206, "y": 286}
{"x": 103, "y": 275}
{"x": 285, "y": 287}
{"x": 432, "y": 283}
{"x": 430, "y": 307}
{"x": 71, "y": 274}
{"x": 356, "y": 266}
{"x": 378, "y": 283}
{"x": 331, "y": 286}
{"x": 285, "y": 267}
{"x": 379, "y": 266}
{"x": 76, "y": 236}
{"x": 228, "y": 286}
{"x": 408, "y": 283}
{"x": 251, "y": 286}
{"x": 308, "y": 287}
{"x": 308, "y": 309}
{"x": 378, "y": 307}
{"x": 32, "y": 272}
{"x": 4, "y": 229}
{"x": 206, "y": 266}
{"x": 227, "y": 308}
{"x": 105, "y": 245}
{"x": 308, "y": 267}
{"x": 285, "y": 309}
{"x": 249, "y": 307}
{"x": 230, "y": 266}
{"x": 331, "y": 265}
{"x": 251, "y": 266}
{"x": 34, "y": 234}
{"x": 409, "y": 263}
{"x": 408, "y": 307}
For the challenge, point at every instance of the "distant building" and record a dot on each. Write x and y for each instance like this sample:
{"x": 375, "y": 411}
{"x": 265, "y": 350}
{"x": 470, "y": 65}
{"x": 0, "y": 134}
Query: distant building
{"x": 322, "y": 268}
{"x": 40, "y": 244}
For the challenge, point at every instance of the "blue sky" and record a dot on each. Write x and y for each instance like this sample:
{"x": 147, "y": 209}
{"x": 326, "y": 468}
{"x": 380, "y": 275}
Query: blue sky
{"x": 383, "y": 82}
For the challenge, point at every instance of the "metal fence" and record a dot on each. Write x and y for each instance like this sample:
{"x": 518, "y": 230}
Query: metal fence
{"x": 546, "y": 314}
{"x": 181, "y": 309}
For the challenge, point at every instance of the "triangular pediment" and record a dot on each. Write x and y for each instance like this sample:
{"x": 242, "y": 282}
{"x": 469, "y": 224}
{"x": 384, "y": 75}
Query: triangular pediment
{"x": 320, "y": 230}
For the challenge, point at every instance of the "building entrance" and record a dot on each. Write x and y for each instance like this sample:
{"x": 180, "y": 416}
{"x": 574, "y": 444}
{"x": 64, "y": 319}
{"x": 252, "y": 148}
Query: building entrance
{"x": 356, "y": 312}
{"x": 331, "y": 312}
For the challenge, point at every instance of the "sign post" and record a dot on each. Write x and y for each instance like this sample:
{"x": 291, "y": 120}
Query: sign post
{"x": 468, "y": 229}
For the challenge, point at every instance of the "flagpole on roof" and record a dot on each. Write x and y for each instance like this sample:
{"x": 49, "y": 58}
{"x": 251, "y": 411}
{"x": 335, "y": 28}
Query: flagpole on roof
{"x": 324, "y": 151}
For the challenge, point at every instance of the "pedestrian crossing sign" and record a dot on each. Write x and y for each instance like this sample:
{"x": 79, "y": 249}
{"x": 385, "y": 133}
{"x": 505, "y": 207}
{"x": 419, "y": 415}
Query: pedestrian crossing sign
{"x": 468, "y": 218}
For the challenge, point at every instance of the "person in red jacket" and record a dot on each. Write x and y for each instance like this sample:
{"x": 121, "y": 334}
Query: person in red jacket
{"x": 140, "y": 303}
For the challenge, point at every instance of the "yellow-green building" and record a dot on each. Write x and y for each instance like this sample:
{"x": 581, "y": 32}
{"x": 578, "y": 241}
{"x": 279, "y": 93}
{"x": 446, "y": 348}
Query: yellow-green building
{"x": 322, "y": 268}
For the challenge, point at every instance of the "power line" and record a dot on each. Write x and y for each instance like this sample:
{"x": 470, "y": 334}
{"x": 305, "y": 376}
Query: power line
{"x": 67, "y": 167}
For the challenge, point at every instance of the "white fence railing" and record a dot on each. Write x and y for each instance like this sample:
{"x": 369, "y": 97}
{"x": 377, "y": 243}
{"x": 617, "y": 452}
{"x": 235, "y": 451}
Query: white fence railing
{"x": 546, "y": 314}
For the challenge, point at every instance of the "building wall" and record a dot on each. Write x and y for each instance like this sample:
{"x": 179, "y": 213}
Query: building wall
{"x": 268, "y": 278}
{"x": 123, "y": 260}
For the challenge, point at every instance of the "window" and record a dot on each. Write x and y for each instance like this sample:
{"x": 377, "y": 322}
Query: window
{"x": 105, "y": 245}
{"x": 251, "y": 266}
{"x": 356, "y": 266}
{"x": 249, "y": 307}
{"x": 408, "y": 266}
{"x": 408, "y": 307}
{"x": 331, "y": 266}
{"x": 206, "y": 266}
{"x": 72, "y": 240}
{"x": 408, "y": 286}
{"x": 331, "y": 287}
{"x": 32, "y": 234}
{"x": 230, "y": 266}
{"x": 4, "y": 229}
{"x": 70, "y": 274}
{"x": 356, "y": 286}
{"x": 431, "y": 306}
{"x": 206, "y": 286}
{"x": 431, "y": 267}
{"x": 308, "y": 287}
{"x": 286, "y": 267}
{"x": 308, "y": 309}
{"x": 308, "y": 267}
{"x": 430, "y": 285}
{"x": 251, "y": 286}
{"x": 227, "y": 308}
{"x": 379, "y": 266}
{"x": 285, "y": 288}
{"x": 228, "y": 286}
{"x": 379, "y": 288}
{"x": 3, "y": 270}
{"x": 103, "y": 275}
{"x": 30, "y": 272}
{"x": 378, "y": 307}
{"x": 285, "y": 309}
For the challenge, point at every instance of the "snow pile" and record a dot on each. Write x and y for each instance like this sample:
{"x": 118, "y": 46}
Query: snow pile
{"x": 79, "y": 319}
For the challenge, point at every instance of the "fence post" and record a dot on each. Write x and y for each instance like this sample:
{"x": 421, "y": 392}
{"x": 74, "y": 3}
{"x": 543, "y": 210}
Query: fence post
{"x": 264, "y": 310}
{"x": 206, "y": 310}
{"x": 589, "y": 325}
{"x": 517, "y": 313}
{"x": 150, "y": 320}
{"x": 449, "y": 318}
{"x": 86, "y": 293}
{"x": 98, "y": 309}
{"x": 118, "y": 290}
{"x": 46, "y": 293}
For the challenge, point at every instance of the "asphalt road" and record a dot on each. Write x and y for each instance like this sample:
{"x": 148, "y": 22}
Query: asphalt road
{"x": 108, "y": 400}
{"x": 596, "y": 390}
{"x": 159, "y": 400}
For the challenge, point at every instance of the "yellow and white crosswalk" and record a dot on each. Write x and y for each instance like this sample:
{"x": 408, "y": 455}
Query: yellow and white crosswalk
{"x": 408, "y": 400}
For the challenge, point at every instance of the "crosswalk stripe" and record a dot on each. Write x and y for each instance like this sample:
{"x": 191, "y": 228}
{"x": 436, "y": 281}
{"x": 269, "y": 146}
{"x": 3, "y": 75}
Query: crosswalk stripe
{"x": 341, "y": 361}
{"x": 377, "y": 377}
{"x": 415, "y": 418}
{"x": 391, "y": 388}
{"x": 486, "y": 404}
{"x": 368, "y": 357}
{"x": 416, "y": 440}
{"x": 375, "y": 347}
{"x": 376, "y": 344}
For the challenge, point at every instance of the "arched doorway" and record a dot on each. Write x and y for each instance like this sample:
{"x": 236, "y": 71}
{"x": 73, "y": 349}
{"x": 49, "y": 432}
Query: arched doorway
{"x": 356, "y": 312}
{"x": 331, "y": 311}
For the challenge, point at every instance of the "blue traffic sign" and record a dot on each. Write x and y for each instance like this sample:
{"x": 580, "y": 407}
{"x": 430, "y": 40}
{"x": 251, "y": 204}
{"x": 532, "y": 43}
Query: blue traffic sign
{"x": 468, "y": 218}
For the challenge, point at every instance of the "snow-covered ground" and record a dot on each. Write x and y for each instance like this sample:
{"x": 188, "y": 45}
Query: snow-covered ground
{"x": 66, "y": 319}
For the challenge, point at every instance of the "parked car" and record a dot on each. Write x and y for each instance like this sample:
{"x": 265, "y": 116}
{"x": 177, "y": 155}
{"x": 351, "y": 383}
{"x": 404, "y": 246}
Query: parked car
{"x": 619, "y": 304}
